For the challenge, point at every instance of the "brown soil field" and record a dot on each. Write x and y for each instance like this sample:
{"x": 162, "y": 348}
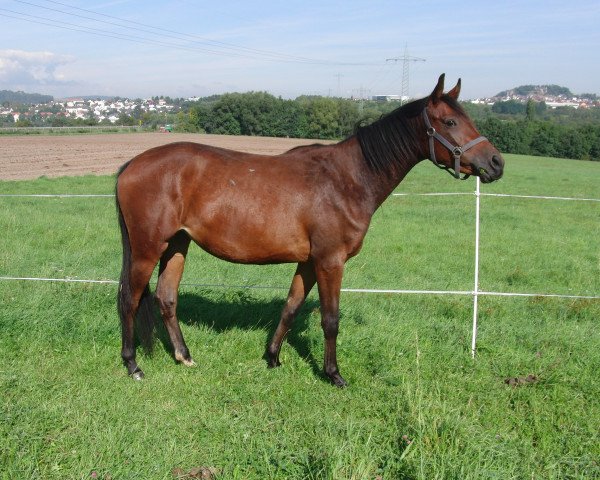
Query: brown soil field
{"x": 26, "y": 157}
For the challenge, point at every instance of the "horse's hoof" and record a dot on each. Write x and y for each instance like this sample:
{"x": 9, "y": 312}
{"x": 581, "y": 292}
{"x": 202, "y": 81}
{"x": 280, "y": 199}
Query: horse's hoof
{"x": 273, "y": 363}
{"x": 189, "y": 363}
{"x": 338, "y": 380}
{"x": 186, "y": 359}
{"x": 137, "y": 375}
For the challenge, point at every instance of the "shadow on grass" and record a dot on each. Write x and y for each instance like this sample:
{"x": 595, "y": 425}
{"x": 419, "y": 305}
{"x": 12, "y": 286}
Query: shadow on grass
{"x": 237, "y": 309}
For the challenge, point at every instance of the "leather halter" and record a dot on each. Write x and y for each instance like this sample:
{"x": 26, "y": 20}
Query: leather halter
{"x": 456, "y": 150}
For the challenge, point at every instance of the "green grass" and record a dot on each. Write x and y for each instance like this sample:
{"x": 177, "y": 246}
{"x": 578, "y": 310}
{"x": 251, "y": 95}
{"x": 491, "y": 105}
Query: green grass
{"x": 417, "y": 407}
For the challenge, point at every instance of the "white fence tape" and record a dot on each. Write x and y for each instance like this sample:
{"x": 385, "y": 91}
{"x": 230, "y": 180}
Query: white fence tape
{"x": 345, "y": 290}
{"x": 475, "y": 292}
{"x": 432, "y": 194}
{"x": 56, "y": 195}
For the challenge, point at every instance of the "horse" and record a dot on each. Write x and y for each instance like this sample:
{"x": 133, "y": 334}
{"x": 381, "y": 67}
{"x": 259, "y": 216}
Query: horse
{"x": 311, "y": 206}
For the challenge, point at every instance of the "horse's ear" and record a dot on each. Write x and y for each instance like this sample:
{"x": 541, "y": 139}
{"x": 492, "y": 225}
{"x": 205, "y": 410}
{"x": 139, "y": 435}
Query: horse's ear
{"x": 436, "y": 95}
{"x": 455, "y": 91}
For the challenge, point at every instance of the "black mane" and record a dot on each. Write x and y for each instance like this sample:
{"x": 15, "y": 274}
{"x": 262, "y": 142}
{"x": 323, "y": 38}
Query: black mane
{"x": 391, "y": 142}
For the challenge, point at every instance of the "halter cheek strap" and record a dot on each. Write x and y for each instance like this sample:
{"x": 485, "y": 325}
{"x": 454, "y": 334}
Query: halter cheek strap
{"x": 456, "y": 150}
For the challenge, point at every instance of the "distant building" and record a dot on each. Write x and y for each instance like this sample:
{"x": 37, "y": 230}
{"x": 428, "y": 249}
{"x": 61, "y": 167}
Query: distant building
{"x": 564, "y": 104}
{"x": 388, "y": 98}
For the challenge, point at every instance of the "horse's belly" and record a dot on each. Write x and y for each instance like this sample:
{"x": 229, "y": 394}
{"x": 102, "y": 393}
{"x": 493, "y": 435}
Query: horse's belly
{"x": 240, "y": 245}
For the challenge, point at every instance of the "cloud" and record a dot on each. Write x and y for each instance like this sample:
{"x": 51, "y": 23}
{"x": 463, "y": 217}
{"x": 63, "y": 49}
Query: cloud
{"x": 21, "y": 69}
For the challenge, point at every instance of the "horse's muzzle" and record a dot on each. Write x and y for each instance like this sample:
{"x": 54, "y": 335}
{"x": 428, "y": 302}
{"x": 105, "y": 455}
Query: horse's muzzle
{"x": 489, "y": 171}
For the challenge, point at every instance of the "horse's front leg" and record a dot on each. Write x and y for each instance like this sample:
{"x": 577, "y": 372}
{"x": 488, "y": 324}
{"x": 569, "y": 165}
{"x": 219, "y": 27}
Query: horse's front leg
{"x": 303, "y": 281}
{"x": 329, "y": 281}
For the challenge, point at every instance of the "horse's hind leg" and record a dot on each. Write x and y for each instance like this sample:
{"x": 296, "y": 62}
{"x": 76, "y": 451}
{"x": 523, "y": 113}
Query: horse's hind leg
{"x": 134, "y": 297}
{"x": 169, "y": 276}
{"x": 329, "y": 279}
{"x": 303, "y": 281}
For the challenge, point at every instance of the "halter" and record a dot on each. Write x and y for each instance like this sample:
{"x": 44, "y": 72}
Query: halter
{"x": 455, "y": 150}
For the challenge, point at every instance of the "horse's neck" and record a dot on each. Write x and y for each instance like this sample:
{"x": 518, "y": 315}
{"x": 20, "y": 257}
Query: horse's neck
{"x": 378, "y": 185}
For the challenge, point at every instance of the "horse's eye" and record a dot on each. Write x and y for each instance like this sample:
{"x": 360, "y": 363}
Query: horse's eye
{"x": 450, "y": 122}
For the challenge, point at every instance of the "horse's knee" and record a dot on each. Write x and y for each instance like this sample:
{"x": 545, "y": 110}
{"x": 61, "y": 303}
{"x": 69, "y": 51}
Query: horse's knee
{"x": 167, "y": 303}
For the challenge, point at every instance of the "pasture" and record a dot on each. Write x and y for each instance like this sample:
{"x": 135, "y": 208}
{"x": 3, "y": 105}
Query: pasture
{"x": 418, "y": 406}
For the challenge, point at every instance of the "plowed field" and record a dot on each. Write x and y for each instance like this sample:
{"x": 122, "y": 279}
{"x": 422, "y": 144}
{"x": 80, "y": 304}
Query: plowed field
{"x": 26, "y": 157}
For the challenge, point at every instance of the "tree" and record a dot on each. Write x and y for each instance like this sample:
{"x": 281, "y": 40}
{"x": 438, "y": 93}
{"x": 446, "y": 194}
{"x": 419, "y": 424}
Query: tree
{"x": 126, "y": 120}
{"x": 24, "y": 123}
{"x": 322, "y": 115}
{"x": 572, "y": 144}
{"x": 545, "y": 140}
{"x": 348, "y": 117}
{"x": 510, "y": 107}
{"x": 59, "y": 121}
{"x": 530, "y": 110}
{"x": 508, "y": 136}
{"x": 185, "y": 123}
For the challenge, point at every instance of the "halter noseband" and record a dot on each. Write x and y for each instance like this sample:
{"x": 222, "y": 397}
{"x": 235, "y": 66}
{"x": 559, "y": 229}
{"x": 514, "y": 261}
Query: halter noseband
{"x": 456, "y": 150}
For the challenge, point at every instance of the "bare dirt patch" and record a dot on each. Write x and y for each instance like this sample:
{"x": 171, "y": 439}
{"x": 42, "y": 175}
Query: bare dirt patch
{"x": 26, "y": 157}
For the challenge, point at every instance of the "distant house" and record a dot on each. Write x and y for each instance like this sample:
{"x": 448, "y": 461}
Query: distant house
{"x": 388, "y": 98}
{"x": 562, "y": 104}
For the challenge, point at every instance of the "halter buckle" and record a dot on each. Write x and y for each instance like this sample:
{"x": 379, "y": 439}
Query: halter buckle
{"x": 457, "y": 152}
{"x": 431, "y": 131}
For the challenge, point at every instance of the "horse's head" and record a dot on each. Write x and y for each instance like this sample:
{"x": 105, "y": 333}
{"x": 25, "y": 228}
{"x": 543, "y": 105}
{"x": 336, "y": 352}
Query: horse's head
{"x": 454, "y": 142}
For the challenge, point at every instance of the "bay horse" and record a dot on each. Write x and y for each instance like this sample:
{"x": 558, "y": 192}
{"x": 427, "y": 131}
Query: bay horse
{"x": 311, "y": 205}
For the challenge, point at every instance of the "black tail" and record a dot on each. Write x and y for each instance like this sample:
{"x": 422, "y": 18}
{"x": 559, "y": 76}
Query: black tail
{"x": 144, "y": 324}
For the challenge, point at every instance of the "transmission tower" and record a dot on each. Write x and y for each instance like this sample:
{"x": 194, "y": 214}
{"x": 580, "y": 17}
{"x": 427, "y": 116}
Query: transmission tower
{"x": 405, "y": 59}
{"x": 339, "y": 76}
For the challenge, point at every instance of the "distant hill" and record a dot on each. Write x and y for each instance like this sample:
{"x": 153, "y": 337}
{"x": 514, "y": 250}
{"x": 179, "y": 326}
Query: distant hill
{"x": 541, "y": 91}
{"x": 22, "y": 97}
{"x": 531, "y": 90}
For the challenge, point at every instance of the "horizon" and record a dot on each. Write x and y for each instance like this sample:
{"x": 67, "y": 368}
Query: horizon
{"x": 110, "y": 97}
{"x": 343, "y": 49}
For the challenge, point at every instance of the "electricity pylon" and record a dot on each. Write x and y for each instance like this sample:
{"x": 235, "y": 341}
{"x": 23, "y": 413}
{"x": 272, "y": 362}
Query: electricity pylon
{"x": 405, "y": 59}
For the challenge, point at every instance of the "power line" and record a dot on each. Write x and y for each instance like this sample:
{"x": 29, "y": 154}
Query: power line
{"x": 380, "y": 75}
{"x": 227, "y": 49}
{"x": 180, "y": 34}
{"x": 103, "y": 33}
{"x": 170, "y": 33}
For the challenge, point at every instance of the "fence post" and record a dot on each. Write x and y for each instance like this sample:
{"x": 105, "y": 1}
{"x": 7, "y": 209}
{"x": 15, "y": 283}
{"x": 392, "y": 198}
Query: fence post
{"x": 476, "y": 286}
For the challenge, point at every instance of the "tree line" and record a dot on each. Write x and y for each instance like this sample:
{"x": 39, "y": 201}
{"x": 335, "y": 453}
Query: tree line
{"x": 528, "y": 129}
{"x": 10, "y": 97}
{"x": 543, "y": 138}
{"x": 259, "y": 113}
{"x": 534, "y": 129}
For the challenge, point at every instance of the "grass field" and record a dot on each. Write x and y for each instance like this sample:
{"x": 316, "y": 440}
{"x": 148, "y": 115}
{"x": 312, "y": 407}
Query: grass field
{"x": 418, "y": 406}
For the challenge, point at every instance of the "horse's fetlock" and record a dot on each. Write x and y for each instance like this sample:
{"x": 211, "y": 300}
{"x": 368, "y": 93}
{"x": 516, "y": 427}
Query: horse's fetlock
{"x": 330, "y": 326}
{"x": 128, "y": 354}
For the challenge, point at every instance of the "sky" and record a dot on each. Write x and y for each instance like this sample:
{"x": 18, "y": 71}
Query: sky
{"x": 184, "y": 48}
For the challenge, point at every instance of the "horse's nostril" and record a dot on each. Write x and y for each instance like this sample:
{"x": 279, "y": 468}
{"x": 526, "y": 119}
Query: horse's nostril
{"x": 496, "y": 161}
